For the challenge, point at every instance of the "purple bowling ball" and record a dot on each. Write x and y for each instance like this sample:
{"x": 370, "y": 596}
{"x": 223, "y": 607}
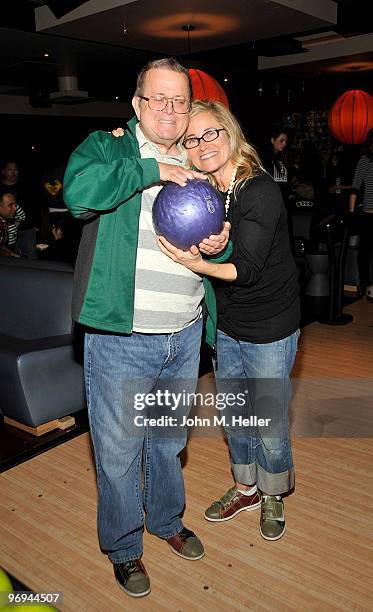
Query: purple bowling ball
{"x": 187, "y": 215}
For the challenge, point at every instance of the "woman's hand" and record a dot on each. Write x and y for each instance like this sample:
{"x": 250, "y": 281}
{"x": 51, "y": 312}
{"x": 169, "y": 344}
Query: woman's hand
{"x": 191, "y": 259}
{"x": 216, "y": 243}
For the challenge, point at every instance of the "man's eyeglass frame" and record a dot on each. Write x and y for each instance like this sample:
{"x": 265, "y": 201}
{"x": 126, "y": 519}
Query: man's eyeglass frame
{"x": 165, "y": 106}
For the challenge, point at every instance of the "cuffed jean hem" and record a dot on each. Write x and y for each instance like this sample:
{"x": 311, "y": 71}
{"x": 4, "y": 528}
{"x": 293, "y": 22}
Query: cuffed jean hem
{"x": 124, "y": 559}
{"x": 168, "y": 535}
{"x": 171, "y": 535}
{"x": 272, "y": 484}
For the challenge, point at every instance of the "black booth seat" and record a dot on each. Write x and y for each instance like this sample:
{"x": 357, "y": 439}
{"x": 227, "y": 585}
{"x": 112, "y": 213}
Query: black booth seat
{"x": 40, "y": 379}
{"x": 40, "y": 264}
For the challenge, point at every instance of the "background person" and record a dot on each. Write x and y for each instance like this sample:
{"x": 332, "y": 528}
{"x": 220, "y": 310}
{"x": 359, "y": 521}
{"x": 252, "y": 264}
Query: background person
{"x": 22, "y": 228}
{"x": 62, "y": 242}
{"x": 276, "y": 162}
{"x": 258, "y": 314}
{"x": 8, "y": 208}
{"x": 13, "y": 225}
{"x": 363, "y": 185}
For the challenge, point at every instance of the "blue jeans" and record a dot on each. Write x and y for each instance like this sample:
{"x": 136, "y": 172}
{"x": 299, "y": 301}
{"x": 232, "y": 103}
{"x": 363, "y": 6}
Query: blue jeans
{"x": 139, "y": 475}
{"x": 258, "y": 376}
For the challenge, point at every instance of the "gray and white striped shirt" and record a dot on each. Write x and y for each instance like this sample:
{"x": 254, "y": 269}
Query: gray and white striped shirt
{"x": 13, "y": 225}
{"x": 167, "y": 296}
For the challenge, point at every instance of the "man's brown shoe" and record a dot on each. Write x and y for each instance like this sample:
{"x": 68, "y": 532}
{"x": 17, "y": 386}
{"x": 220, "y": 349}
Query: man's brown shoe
{"x": 231, "y": 504}
{"x": 186, "y": 545}
{"x": 132, "y": 578}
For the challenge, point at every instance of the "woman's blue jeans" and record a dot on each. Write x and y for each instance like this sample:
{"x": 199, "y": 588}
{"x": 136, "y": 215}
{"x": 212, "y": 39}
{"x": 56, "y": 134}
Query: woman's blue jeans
{"x": 139, "y": 475}
{"x": 258, "y": 376}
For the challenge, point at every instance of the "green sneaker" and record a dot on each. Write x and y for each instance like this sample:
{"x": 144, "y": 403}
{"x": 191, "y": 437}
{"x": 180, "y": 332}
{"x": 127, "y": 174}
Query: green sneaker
{"x": 230, "y": 504}
{"x": 272, "y": 518}
{"x": 132, "y": 578}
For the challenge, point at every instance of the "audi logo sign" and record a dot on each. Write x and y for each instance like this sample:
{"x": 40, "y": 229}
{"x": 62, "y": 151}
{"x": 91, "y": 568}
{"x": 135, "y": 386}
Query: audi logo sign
{"x": 304, "y": 204}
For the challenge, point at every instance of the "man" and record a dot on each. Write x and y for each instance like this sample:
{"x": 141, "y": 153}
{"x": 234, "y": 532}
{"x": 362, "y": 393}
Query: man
{"x": 8, "y": 207}
{"x": 10, "y": 173}
{"x": 9, "y": 184}
{"x": 145, "y": 319}
{"x": 21, "y": 230}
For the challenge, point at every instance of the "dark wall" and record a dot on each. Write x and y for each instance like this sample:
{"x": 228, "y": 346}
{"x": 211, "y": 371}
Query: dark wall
{"x": 283, "y": 95}
{"x": 41, "y": 143}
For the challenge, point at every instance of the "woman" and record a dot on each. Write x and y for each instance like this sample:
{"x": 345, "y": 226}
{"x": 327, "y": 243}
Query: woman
{"x": 363, "y": 182}
{"x": 275, "y": 161}
{"x": 258, "y": 315}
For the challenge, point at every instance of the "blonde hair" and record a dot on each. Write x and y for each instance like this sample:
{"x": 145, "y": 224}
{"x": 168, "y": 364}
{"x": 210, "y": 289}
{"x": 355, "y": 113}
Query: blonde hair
{"x": 243, "y": 155}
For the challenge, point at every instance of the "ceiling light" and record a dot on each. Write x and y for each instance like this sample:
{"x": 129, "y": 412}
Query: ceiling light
{"x": 225, "y": 80}
{"x": 117, "y": 97}
{"x": 352, "y": 67}
{"x": 46, "y": 54}
{"x": 188, "y": 28}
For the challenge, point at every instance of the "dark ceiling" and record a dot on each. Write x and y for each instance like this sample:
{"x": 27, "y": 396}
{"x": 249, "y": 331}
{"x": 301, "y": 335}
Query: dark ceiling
{"x": 106, "y": 49}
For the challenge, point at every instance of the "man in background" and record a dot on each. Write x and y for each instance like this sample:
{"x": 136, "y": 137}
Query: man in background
{"x": 8, "y": 207}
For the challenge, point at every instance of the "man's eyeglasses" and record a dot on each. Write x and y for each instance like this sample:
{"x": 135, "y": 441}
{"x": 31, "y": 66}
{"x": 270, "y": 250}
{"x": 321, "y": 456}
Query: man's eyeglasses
{"x": 209, "y": 136}
{"x": 159, "y": 103}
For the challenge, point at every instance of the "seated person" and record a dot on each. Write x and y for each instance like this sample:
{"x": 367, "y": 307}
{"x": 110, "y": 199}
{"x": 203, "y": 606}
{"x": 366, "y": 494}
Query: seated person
{"x": 52, "y": 187}
{"x": 8, "y": 207}
{"x": 22, "y": 228}
{"x": 13, "y": 225}
{"x": 63, "y": 242}
{"x": 24, "y": 191}
{"x": 21, "y": 240}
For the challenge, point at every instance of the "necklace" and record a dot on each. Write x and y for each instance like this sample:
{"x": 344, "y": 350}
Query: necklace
{"x": 230, "y": 189}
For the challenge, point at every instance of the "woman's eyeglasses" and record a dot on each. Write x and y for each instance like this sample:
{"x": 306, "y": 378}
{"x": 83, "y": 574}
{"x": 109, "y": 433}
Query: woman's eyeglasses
{"x": 209, "y": 136}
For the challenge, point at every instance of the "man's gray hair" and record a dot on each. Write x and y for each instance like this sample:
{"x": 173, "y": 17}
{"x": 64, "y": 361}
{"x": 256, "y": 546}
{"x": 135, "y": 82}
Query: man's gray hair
{"x": 170, "y": 63}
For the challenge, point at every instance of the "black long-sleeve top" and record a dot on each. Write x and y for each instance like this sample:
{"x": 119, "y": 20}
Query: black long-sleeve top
{"x": 262, "y": 304}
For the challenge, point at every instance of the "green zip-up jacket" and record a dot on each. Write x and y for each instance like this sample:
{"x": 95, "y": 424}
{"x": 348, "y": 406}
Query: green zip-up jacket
{"x": 102, "y": 185}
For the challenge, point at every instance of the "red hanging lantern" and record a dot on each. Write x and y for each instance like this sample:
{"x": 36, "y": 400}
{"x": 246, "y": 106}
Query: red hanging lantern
{"x": 351, "y": 117}
{"x": 205, "y": 87}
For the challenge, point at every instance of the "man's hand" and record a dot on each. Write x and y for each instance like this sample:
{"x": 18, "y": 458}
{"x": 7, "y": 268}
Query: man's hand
{"x": 178, "y": 174}
{"x": 169, "y": 172}
{"x": 191, "y": 259}
{"x": 215, "y": 244}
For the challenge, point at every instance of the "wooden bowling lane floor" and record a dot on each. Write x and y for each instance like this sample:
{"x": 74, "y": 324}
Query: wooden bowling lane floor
{"x": 324, "y": 562}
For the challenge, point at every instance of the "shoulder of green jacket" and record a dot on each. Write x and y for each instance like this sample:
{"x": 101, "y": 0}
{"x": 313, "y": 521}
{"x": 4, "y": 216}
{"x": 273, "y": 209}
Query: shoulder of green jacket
{"x": 107, "y": 138}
